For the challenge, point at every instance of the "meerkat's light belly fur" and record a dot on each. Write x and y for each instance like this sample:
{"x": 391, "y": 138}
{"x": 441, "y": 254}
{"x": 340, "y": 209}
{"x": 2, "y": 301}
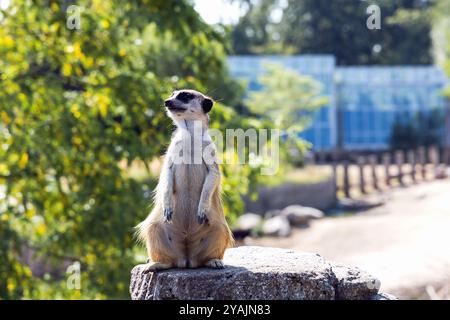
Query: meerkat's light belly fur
{"x": 184, "y": 242}
{"x": 188, "y": 182}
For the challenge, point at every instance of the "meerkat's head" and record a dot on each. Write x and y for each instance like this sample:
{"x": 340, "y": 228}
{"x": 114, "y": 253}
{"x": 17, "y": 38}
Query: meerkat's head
{"x": 188, "y": 105}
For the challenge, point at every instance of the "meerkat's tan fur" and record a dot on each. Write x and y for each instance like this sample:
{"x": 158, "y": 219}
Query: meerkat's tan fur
{"x": 187, "y": 227}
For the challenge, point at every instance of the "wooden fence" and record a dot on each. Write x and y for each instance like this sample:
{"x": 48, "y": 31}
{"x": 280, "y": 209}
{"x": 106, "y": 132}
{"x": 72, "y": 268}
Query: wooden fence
{"x": 375, "y": 172}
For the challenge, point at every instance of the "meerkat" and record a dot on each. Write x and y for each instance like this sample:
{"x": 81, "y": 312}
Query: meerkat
{"x": 187, "y": 227}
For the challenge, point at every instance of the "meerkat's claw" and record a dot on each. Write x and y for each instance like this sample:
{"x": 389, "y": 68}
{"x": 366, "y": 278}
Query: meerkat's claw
{"x": 155, "y": 266}
{"x": 215, "y": 264}
{"x": 168, "y": 212}
{"x": 202, "y": 216}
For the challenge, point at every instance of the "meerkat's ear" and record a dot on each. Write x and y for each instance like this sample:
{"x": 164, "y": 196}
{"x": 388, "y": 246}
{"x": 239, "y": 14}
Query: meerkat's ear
{"x": 207, "y": 105}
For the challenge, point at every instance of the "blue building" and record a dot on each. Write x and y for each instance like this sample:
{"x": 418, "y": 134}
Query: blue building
{"x": 364, "y": 101}
{"x": 322, "y": 132}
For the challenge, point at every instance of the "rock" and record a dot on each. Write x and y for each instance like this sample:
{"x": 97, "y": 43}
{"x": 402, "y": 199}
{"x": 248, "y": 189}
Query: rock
{"x": 347, "y": 204}
{"x": 248, "y": 221}
{"x": 272, "y": 213}
{"x": 383, "y": 296}
{"x": 354, "y": 284}
{"x": 277, "y": 226}
{"x": 256, "y": 273}
{"x": 240, "y": 235}
{"x": 441, "y": 172}
{"x": 299, "y": 215}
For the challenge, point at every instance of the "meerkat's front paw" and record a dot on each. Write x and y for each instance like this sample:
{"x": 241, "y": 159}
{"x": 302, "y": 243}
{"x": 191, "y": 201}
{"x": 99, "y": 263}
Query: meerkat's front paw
{"x": 155, "y": 266}
{"x": 202, "y": 216}
{"x": 168, "y": 213}
{"x": 215, "y": 263}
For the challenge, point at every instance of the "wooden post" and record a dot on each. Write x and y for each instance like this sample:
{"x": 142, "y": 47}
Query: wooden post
{"x": 433, "y": 155}
{"x": 447, "y": 156}
{"x": 423, "y": 162}
{"x": 362, "y": 180}
{"x": 373, "y": 166}
{"x": 319, "y": 157}
{"x": 335, "y": 178}
{"x": 399, "y": 161}
{"x": 434, "y": 159}
{"x": 412, "y": 162}
{"x": 346, "y": 180}
{"x": 447, "y": 151}
{"x": 387, "y": 165}
{"x": 439, "y": 171}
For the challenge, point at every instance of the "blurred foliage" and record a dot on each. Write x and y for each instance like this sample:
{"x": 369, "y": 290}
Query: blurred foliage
{"x": 422, "y": 129}
{"x": 77, "y": 106}
{"x": 288, "y": 100}
{"x": 338, "y": 28}
{"x": 426, "y": 129}
{"x": 441, "y": 36}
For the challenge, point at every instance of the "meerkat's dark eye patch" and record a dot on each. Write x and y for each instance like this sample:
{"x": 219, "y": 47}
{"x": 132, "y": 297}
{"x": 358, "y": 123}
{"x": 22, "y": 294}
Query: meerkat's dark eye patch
{"x": 207, "y": 105}
{"x": 185, "y": 97}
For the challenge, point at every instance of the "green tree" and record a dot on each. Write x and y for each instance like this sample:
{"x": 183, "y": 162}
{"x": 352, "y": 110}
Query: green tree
{"x": 289, "y": 100}
{"x": 420, "y": 129}
{"x": 338, "y": 28}
{"x": 76, "y": 107}
{"x": 257, "y": 31}
{"x": 441, "y": 36}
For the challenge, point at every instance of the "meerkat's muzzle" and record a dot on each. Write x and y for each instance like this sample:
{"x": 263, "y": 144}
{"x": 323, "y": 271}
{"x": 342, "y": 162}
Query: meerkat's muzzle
{"x": 173, "y": 106}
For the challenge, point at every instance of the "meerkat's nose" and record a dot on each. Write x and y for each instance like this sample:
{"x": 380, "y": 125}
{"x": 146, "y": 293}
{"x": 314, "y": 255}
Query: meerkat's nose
{"x": 168, "y": 103}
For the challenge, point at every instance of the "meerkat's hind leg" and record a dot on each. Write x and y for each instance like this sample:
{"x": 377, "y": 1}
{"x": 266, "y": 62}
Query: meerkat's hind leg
{"x": 156, "y": 266}
{"x": 182, "y": 263}
{"x": 215, "y": 264}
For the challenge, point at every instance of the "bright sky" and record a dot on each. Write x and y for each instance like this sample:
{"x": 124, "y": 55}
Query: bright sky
{"x": 4, "y": 4}
{"x": 212, "y": 11}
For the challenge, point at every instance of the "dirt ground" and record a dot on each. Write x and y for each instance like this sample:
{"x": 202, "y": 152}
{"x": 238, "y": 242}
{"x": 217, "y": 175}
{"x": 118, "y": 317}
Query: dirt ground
{"x": 405, "y": 243}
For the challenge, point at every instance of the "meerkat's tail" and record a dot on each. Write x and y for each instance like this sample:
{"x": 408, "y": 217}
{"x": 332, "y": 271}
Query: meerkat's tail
{"x": 230, "y": 242}
{"x": 229, "y": 238}
{"x": 141, "y": 231}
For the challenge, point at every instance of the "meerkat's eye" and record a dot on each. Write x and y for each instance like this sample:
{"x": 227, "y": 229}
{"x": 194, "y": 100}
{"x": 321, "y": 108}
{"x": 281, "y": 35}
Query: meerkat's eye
{"x": 185, "y": 97}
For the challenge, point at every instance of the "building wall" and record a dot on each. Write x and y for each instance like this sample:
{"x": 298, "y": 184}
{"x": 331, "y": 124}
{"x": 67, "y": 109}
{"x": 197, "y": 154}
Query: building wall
{"x": 369, "y": 98}
{"x": 373, "y": 98}
{"x": 320, "y": 67}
